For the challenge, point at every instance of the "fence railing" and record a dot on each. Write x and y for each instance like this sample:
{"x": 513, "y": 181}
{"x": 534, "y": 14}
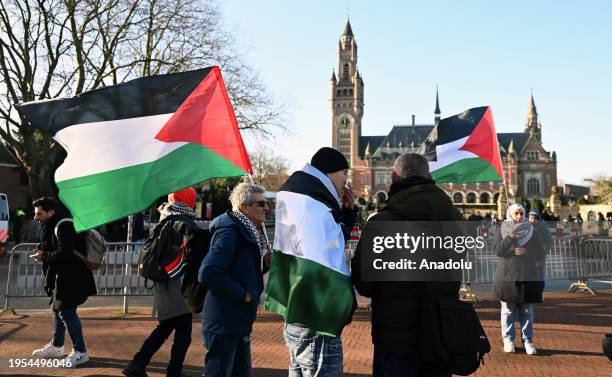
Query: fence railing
{"x": 583, "y": 260}
{"x": 118, "y": 276}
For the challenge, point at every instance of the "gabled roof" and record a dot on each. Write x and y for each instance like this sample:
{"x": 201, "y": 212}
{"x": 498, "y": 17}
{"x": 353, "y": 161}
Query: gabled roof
{"x": 407, "y": 135}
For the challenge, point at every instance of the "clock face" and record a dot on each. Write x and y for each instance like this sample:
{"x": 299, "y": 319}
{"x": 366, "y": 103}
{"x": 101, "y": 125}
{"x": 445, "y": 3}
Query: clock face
{"x": 345, "y": 123}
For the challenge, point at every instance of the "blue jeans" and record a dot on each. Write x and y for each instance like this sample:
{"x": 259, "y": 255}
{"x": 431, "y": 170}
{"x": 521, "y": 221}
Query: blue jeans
{"x": 227, "y": 356}
{"x": 67, "y": 318}
{"x": 404, "y": 364}
{"x": 313, "y": 354}
{"x": 510, "y": 312}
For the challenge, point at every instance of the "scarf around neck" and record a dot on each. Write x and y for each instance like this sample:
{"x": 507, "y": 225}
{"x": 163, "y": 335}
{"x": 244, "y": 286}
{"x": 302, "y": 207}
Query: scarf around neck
{"x": 176, "y": 209}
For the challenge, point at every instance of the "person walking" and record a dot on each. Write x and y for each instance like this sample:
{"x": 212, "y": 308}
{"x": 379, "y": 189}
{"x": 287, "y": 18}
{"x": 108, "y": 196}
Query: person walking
{"x": 67, "y": 281}
{"x": 172, "y": 311}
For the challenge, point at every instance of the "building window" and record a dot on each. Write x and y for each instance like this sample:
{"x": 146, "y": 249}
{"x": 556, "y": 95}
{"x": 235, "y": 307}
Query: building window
{"x": 346, "y": 72}
{"x": 471, "y": 198}
{"x": 458, "y": 197}
{"x": 351, "y": 92}
{"x": 533, "y": 187}
{"x": 345, "y": 92}
{"x": 363, "y": 179}
{"x": 485, "y": 197}
{"x": 381, "y": 178}
{"x": 532, "y": 156}
{"x": 338, "y": 92}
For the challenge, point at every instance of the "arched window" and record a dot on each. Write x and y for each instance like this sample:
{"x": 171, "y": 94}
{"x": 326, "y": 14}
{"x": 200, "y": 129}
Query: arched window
{"x": 495, "y": 197}
{"x": 345, "y": 73}
{"x": 458, "y": 197}
{"x": 345, "y": 92}
{"x": 533, "y": 186}
{"x": 471, "y": 198}
{"x": 485, "y": 197}
{"x": 339, "y": 92}
{"x": 351, "y": 92}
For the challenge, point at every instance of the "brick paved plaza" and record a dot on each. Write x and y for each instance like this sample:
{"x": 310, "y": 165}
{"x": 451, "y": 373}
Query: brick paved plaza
{"x": 568, "y": 333}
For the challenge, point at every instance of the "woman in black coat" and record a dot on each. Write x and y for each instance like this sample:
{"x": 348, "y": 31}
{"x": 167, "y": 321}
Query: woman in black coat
{"x": 516, "y": 283}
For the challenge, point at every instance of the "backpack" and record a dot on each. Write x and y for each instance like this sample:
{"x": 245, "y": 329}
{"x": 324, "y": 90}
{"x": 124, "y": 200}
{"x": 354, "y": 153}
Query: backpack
{"x": 162, "y": 255}
{"x": 95, "y": 246}
{"x": 452, "y": 335}
{"x": 198, "y": 242}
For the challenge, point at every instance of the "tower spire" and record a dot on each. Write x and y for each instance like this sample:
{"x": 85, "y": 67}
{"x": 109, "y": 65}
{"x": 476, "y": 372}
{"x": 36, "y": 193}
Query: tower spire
{"x": 532, "y": 115}
{"x": 348, "y": 31}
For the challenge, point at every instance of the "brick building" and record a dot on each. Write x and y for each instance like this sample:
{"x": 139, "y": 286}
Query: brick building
{"x": 529, "y": 169}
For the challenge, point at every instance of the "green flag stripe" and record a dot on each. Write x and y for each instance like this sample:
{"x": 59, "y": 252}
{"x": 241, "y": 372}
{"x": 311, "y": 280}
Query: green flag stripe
{"x": 467, "y": 170}
{"x": 305, "y": 292}
{"x": 104, "y": 197}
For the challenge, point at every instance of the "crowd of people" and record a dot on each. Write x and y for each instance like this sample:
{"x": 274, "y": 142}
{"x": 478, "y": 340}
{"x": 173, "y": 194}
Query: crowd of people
{"x": 239, "y": 254}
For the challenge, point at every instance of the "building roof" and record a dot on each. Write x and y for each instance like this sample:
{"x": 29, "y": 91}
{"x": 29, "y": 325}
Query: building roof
{"x": 6, "y": 157}
{"x": 374, "y": 142}
{"x": 519, "y": 138}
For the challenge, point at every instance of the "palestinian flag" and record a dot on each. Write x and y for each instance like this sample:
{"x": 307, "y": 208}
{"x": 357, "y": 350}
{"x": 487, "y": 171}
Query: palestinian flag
{"x": 464, "y": 148}
{"x": 129, "y": 144}
{"x": 309, "y": 281}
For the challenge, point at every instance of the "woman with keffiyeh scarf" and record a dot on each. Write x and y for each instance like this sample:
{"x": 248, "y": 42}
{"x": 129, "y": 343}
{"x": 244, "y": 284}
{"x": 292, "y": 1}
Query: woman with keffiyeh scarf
{"x": 516, "y": 284}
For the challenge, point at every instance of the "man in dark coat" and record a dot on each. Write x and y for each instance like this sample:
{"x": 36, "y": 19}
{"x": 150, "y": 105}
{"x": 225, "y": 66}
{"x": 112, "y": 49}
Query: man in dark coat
{"x": 67, "y": 280}
{"x": 396, "y": 321}
{"x": 233, "y": 274}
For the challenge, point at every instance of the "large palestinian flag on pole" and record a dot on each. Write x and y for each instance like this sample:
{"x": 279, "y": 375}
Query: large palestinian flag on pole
{"x": 131, "y": 143}
{"x": 464, "y": 148}
{"x": 309, "y": 280}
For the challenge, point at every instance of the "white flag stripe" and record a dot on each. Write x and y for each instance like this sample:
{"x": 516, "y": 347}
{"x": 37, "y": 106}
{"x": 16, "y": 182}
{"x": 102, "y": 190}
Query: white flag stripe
{"x": 104, "y": 146}
{"x": 306, "y": 229}
{"x": 449, "y": 153}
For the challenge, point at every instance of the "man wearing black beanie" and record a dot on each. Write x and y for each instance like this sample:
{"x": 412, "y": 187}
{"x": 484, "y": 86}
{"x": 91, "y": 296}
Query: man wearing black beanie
{"x": 314, "y": 215}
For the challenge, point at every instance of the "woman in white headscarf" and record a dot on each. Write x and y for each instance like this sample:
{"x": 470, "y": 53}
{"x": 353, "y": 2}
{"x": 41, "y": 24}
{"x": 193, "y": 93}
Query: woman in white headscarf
{"x": 516, "y": 283}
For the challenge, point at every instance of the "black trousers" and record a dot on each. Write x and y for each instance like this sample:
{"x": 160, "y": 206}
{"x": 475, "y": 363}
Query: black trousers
{"x": 181, "y": 325}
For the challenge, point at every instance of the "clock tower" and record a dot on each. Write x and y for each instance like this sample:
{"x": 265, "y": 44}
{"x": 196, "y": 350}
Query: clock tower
{"x": 347, "y": 98}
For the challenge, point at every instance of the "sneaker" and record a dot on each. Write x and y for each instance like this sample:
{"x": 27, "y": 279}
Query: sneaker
{"x": 49, "y": 351}
{"x": 75, "y": 358}
{"x": 508, "y": 346}
{"x": 530, "y": 348}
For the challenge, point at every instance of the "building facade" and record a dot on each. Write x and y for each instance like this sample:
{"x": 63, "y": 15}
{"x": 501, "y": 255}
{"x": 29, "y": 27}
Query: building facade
{"x": 529, "y": 170}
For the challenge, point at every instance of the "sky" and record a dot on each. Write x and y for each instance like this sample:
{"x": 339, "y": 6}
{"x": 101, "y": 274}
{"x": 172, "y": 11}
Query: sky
{"x": 477, "y": 52}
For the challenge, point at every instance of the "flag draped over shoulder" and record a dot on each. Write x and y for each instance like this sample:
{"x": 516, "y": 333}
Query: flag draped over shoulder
{"x": 131, "y": 143}
{"x": 464, "y": 148}
{"x": 309, "y": 281}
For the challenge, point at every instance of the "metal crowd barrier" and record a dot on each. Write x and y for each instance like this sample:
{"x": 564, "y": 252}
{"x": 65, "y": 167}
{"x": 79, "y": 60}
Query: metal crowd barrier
{"x": 118, "y": 276}
{"x": 582, "y": 260}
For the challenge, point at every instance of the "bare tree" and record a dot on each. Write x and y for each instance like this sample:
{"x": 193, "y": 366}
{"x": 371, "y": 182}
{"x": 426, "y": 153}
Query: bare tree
{"x": 61, "y": 48}
{"x": 269, "y": 170}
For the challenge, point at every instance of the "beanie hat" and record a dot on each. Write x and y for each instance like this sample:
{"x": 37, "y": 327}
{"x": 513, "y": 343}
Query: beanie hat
{"x": 187, "y": 196}
{"x": 329, "y": 160}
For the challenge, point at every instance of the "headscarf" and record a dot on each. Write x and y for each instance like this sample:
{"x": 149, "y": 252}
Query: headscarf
{"x": 523, "y": 231}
